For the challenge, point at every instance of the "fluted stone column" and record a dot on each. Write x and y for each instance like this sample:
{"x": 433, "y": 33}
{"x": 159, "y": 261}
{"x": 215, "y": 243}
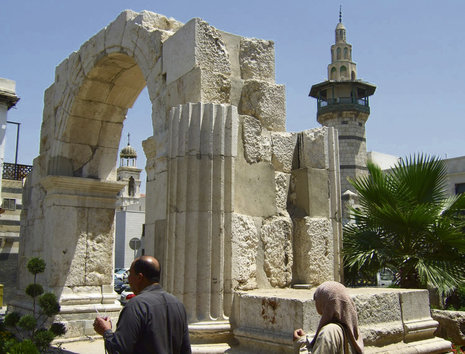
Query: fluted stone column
{"x": 203, "y": 146}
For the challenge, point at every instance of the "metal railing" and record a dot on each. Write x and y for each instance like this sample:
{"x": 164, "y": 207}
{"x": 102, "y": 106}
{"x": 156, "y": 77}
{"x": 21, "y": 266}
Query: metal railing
{"x": 15, "y": 171}
{"x": 331, "y": 104}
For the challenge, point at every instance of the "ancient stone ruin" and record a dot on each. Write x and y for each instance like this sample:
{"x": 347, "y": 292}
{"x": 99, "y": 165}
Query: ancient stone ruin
{"x": 239, "y": 211}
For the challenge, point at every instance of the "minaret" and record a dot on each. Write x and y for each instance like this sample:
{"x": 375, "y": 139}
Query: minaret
{"x": 128, "y": 172}
{"x": 343, "y": 104}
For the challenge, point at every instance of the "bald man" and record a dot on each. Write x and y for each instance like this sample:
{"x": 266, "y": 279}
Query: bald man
{"x": 151, "y": 322}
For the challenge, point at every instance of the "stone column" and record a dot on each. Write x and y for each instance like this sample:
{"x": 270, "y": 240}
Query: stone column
{"x": 203, "y": 146}
{"x": 8, "y": 99}
{"x": 78, "y": 248}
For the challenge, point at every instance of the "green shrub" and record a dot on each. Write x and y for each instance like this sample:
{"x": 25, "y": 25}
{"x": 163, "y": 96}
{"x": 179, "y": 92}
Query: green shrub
{"x": 34, "y": 290}
{"x": 49, "y": 304}
{"x": 25, "y": 334}
{"x": 12, "y": 319}
{"x": 27, "y": 322}
{"x": 36, "y": 265}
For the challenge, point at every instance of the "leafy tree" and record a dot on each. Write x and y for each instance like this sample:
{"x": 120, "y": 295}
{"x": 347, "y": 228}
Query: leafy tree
{"x": 407, "y": 222}
{"x": 28, "y": 334}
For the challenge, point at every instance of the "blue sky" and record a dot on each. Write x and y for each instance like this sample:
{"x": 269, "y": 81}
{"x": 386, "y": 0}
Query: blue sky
{"x": 413, "y": 51}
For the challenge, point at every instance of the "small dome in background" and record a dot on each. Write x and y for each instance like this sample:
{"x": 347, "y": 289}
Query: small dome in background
{"x": 128, "y": 152}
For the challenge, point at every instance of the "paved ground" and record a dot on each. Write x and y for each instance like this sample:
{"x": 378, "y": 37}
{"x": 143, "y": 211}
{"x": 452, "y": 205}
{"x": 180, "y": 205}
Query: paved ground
{"x": 87, "y": 347}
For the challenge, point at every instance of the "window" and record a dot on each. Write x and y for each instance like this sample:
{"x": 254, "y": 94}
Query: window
{"x": 338, "y": 53}
{"x": 333, "y": 73}
{"x": 346, "y": 53}
{"x": 343, "y": 72}
{"x": 9, "y": 204}
{"x": 131, "y": 187}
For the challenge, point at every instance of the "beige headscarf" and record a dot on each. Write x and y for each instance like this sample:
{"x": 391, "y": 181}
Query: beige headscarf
{"x": 335, "y": 306}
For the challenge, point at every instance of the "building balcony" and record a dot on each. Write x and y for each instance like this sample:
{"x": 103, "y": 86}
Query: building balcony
{"x": 343, "y": 104}
{"x": 15, "y": 171}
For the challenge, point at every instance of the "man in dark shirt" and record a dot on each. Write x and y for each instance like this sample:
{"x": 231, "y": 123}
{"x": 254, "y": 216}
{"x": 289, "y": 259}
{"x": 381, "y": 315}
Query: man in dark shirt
{"x": 151, "y": 322}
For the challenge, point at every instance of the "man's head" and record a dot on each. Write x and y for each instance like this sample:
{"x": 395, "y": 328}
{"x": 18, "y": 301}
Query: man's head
{"x": 144, "y": 271}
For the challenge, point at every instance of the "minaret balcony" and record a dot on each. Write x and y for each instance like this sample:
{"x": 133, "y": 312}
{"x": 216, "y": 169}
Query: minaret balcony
{"x": 343, "y": 104}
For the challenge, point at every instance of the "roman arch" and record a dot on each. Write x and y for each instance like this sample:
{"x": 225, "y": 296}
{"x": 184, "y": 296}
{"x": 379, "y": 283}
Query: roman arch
{"x": 233, "y": 201}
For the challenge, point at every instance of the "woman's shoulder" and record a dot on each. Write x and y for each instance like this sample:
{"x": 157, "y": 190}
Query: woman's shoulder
{"x": 332, "y": 327}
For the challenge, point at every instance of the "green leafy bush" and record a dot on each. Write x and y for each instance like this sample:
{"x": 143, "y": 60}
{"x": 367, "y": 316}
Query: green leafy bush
{"x": 34, "y": 290}
{"x": 36, "y": 265}
{"x": 27, "y": 322}
{"x": 49, "y": 304}
{"x": 26, "y": 333}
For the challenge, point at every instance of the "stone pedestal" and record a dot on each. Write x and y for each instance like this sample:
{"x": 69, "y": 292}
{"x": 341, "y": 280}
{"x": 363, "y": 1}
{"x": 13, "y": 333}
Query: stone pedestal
{"x": 78, "y": 248}
{"x": 390, "y": 320}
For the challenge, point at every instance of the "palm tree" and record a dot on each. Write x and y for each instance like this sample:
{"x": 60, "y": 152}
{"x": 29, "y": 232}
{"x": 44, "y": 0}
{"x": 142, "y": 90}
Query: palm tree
{"x": 407, "y": 222}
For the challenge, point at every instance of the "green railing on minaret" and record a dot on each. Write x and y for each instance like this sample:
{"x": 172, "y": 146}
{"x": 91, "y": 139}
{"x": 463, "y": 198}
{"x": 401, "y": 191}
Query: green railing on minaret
{"x": 343, "y": 104}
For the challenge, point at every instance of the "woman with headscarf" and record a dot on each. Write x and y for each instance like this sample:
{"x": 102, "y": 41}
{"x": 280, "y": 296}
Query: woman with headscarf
{"x": 337, "y": 331}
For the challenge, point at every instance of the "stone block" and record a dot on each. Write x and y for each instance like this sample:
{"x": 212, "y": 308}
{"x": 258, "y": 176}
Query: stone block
{"x": 313, "y": 251}
{"x": 185, "y": 89}
{"x": 257, "y": 59}
{"x": 312, "y": 191}
{"x": 314, "y": 149}
{"x": 91, "y": 110}
{"x": 151, "y": 21}
{"x": 66, "y": 228}
{"x": 148, "y": 49}
{"x": 233, "y": 47}
{"x": 284, "y": 148}
{"x": 115, "y": 31}
{"x": 282, "y": 181}
{"x": 110, "y": 134}
{"x": 92, "y": 50}
{"x": 76, "y": 154}
{"x": 99, "y": 246}
{"x": 47, "y": 130}
{"x": 265, "y": 101}
{"x": 155, "y": 83}
{"x": 196, "y": 44}
{"x": 276, "y": 236}
{"x": 94, "y": 90}
{"x": 257, "y": 140}
{"x": 157, "y": 194}
{"x": 244, "y": 243}
{"x": 103, "y": 164}
{"x": 254, "y": 189}
{"x": 451, "y": 325}
{"x": 75, "y": 72}
{"x": 61, "y": 82}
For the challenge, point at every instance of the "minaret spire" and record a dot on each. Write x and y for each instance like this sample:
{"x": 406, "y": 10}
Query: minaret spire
{"x": 340, "y": 13}
{"x": 129, "y": 135}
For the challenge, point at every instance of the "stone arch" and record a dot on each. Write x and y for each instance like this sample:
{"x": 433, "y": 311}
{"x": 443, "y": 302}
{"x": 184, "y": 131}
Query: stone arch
{"x": 199, "y": 79}
{"x": 93, "y": 90}
{"x": 213, "y": 98}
